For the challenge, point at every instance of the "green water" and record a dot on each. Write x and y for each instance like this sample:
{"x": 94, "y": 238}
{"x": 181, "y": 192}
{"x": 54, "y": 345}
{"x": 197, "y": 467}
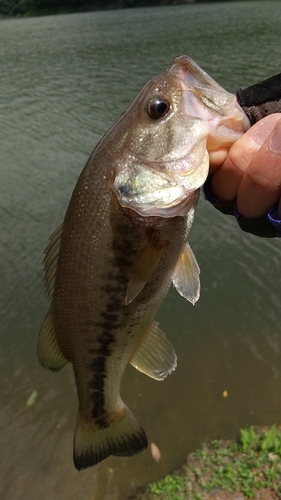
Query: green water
{"x": 64, "y": 81}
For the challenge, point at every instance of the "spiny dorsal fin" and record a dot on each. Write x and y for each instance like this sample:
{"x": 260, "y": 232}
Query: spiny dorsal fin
{"x": 144, "y": 267}
{"x": 48, "y": 350}
{"x": 51, "y": 260}
{"x": 186, "y": 277}
{"x": 156, "y": 356}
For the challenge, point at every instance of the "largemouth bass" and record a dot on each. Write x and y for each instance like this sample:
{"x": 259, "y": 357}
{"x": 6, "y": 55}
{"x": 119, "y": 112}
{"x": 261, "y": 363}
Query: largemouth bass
{"x": 123, "y": 242}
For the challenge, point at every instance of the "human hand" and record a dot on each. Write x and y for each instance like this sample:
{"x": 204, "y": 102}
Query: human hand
{"x": 250, "y": 171}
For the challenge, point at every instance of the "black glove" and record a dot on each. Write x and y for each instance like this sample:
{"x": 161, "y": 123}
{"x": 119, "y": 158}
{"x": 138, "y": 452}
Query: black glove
{"x": 261, "y": 99}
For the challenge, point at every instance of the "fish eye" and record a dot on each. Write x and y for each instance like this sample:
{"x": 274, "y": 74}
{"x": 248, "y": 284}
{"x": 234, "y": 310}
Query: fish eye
{"x": 158, "y": 106}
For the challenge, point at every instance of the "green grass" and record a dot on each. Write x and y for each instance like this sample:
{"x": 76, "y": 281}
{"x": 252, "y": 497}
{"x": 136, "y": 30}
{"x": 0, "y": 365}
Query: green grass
{"x": 253, "y": 462}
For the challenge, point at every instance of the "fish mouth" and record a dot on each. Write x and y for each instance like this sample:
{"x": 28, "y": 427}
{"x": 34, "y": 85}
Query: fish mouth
{"x": 206, "y": 98}
{"x": 202, "y": 87}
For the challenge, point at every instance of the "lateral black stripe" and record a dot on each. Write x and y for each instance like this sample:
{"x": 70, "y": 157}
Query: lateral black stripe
{"x": 109, "y": 320}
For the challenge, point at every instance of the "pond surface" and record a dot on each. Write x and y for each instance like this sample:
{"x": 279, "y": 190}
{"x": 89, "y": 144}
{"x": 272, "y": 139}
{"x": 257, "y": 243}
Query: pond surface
{"x": 64, "y": 81}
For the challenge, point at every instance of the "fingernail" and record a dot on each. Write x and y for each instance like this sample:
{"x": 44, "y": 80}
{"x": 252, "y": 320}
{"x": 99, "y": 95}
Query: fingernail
{"x": 275, "y": 141}
{"x": 263, "y": 132}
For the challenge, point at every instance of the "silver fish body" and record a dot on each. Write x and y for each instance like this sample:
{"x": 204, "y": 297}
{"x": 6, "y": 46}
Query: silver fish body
{"x": 122, "y": 243}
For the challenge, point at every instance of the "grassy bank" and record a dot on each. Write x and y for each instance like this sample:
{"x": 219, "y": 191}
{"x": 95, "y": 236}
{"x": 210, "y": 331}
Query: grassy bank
{"x": 251, "y": 466}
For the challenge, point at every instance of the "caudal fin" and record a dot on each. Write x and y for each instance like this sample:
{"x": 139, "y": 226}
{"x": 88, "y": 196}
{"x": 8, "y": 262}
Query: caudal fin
{"x": 124, "y": 436}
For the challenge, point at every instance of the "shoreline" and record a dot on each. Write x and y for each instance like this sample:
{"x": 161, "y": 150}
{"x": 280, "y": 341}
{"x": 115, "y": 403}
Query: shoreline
{"x": 22, "y": 12}
{"x": 249, "y": 466}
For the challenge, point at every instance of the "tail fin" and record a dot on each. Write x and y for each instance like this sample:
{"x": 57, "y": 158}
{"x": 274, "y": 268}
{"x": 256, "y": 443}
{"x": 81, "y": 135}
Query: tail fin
{"x": 124, "y": 436}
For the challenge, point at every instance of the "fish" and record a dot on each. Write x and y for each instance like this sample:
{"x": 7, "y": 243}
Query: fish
{"x": 123, "y": 242}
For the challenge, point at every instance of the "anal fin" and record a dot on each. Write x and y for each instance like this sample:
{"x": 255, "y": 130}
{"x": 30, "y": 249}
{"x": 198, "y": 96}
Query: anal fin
{"x": 156, "y": 356}
{"x": 48, "y": 350}
{"x": 186, "y": 277}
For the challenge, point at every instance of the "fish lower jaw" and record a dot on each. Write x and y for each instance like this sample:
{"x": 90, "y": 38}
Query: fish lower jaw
{"x": 168, "y": 201}
{"x": 179, "y": 208}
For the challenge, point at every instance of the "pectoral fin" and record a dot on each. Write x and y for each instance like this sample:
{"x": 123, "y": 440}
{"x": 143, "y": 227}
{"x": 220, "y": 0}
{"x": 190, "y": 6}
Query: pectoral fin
{"x": 186, "y": 277}
{"x": 144, "y": 267}
{"x": 48, "y": 350}
{"x": 156, "y": 356}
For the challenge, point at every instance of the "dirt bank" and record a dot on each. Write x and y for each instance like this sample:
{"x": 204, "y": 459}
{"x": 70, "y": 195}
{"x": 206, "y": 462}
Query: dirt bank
{"x": 226, "y": 470}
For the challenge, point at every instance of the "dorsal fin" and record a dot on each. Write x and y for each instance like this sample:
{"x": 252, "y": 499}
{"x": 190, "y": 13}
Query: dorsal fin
{"x": 51, "y": 260}
{"x": 186, "y": 279}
